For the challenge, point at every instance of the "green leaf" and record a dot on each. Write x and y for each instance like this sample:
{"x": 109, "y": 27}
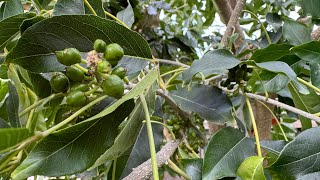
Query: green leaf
{"x": 141, "y": 150}
{"x": 275, "y": 20}
{"x": 192, "y": 167}
{"x": 252, "y": 169}
{"x": 310, "y": 7}
{"x": 309, "y": 52}
{"x": 145, "y": 83}
{"x": 305, "y": 103}
{"x": 273, "y": 146}
{"x": 315, "y": 74}
{"x": 13, "y": 106}
{"x": 207, "y": 101}
{"x": 300, "y": 156}
{"x": 130, "y": 131}
{"x": 11, "y": 8}
{"x": 40, "y": 85}
{"x": 97, "y": 5}
{"x": 214, "y": 62}
{"x": 295, "y": 32}
{"x": 127, "y": 15}
{"x": 225, "y": 152}
{"x": 271, "y": 53}
{"x": 3, "y": 91}
{"x": 73, "y": 149}
{"x": 12, "y": 136}
{"x": 281, "y": 67}
{"x": 36, "y": 48}
{"x": 10, "y": 27}
{"x": 272, "y": 82}
{"x": 64, "y": 7}
{"x": 134, "y": 65}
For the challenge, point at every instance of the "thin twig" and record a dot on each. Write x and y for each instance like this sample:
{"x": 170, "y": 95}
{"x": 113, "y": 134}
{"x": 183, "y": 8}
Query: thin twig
{"x": 144, "y": 170}
{"x": 150, "y": 138}
{"x": 284, "y": 106}
{"x": 164, "y": 61}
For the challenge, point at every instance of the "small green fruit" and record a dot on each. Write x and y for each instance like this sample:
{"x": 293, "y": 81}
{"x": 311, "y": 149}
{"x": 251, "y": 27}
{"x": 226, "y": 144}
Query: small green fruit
{"x": 103, "y": 67}
{"x": 170, "y": 122}
{"x": 74, "y": 74}
{"x": 76, "y": 98}
{"x": 176, "y": 128}
{"x": 119, "y": 71}
{"x": 99, "y": 45}
{"x": 248, "y": 88}
{"x": 69, "y": 56}
{"x": 113, "y": 86}
{"x": 59, "y": 82}
{"x": 113, "y": 53}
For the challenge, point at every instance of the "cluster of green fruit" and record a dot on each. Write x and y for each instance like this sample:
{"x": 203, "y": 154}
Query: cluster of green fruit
{"x": 78, "y": 82}
{"x": 180, "y": 125}
{"x": 238, "y": 75}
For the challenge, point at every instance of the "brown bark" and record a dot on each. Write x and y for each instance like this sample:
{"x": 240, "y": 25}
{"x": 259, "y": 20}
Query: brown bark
{"x": 315, "y": 35}
{"x": 233, "y": 22}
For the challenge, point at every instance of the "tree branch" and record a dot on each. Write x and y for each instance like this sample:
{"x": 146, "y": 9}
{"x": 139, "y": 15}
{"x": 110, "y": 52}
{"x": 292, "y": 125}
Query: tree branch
{"x": 284, "y": 106}
{"x": 164, "y": 61}
{"x": 144, "y": 170}
{"x": 233, "y": 21}
{"x": 315, "y": 35}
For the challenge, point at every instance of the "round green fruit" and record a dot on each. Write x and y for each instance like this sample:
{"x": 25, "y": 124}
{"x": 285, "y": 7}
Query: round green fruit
{"x": 69, "y": 56}
{"x": 248, "y": 88}
{"x": 99, "y": 45}
{"x": 113, "y": 53}
{"x": 59, "y": 82}
{"x": 103, "y": 67}
{"x": 170, "y": 122}
{"x": 74, "y": 73}
{"x": 176, "y": 128}
{"x": 113, "y": 86}
{"x": 79, "y": 87}
{"x": 119, "y": 71}
{"x": 76, "y": 98}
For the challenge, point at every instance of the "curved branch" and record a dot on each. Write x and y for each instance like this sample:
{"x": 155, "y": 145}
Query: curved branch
{"x": 233, "y": 21}
{"x": 144, "y": 170}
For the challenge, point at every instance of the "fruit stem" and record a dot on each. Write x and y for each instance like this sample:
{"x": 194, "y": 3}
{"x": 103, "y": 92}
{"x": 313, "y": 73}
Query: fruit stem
{"x": 90, "y": 7}
{"x": 170, "y": 131}
{"x": 83, "y": 61}
{"x": 262, "y": 25}
{"x": 36, "y": 104}
{"x": 91, "y": 91}
{"x": 174, "y": 167}
{"x": 275, "y": 117}
{"x": 151, "y": 139}
{"x": 114, "y": 168}
{"x": 81, "y": 68}
{"x": 66, "y": 121}
{"x": 255, "y": 129}
{"x": 308, "y": 84}
{"x": 116, "y": 19}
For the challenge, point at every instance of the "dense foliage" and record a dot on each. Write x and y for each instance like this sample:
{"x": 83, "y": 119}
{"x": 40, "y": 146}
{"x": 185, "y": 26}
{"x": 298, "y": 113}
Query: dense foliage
{"x": 93, "y": 89}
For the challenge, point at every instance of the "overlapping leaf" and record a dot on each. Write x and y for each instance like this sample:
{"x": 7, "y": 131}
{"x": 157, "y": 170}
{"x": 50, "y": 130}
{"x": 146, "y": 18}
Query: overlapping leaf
{"x": 252, "y": 169}
{"x": 12, "y": 136}
{"x": 225, "y": 152}
{"x": 10, "y": 27}
{"x": 207, "y": 101}
{"x": 271, "y": 53}
{"x": 129, "y": 133}
{"x": 64, "y": 7}
{"x": 299, "y": 157}
{"x": 214, "y": 62}
{"x": 295, "y": 32}
{"x": 73, "y": 149}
